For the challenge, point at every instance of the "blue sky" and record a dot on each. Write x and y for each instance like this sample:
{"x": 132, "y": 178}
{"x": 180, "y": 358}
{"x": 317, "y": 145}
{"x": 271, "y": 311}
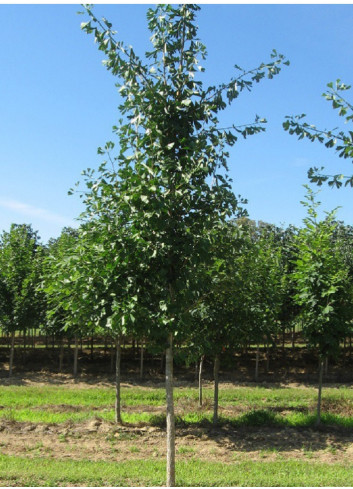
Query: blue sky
{"x": 58, "y": 103}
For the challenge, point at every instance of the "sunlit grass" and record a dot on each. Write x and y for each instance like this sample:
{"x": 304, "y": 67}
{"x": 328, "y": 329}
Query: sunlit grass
{"x": 257, "y": 406}
{"x": 18, "y": 471}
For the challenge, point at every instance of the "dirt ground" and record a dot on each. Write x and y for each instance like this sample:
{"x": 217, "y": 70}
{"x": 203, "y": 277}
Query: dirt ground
{"x": 98, "y": 440}
{"x": 101, "y": 440}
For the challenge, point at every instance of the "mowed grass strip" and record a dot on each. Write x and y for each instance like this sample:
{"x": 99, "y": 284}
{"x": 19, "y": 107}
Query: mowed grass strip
{"x": 262, "y": 405}
{"x": 29, "y": 396}
{"x": 18, "y": 471}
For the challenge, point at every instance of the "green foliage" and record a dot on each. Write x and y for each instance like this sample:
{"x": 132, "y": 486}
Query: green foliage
{"x": 154, "y": 202}
{"x": 21, "y": 304}
{"x": 324, "y": 289}
{"x": 341, "y": 141}
{"x": 261, "y": 273}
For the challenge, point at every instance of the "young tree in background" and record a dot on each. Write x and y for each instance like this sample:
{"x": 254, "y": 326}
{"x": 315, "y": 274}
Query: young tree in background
{"x": 324, "y": 290}
{"x": 21, "y": 302}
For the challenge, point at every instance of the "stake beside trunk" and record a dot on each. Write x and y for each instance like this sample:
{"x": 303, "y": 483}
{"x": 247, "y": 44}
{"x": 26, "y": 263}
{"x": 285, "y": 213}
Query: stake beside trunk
{"x": 117, "y": 381}
{"x": 321, "y": 368}
{"x": 12, "y": 351}
{"x": 75, "y": 357}
{"x": 141, "y": 360}
{"x": 200, "y": 379}
{"x": 170, "y": 413}
{"x": 257, "y": 364}
{"x": 216, "y": 380}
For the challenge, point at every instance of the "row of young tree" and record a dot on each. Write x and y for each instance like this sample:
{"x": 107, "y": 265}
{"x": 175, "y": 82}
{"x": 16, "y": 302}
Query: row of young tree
{"x": 163, "y": 253}
{"x": 261, "y": 281}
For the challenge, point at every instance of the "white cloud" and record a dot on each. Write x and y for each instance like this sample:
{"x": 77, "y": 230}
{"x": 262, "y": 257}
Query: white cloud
{"x": 35, "y": 212}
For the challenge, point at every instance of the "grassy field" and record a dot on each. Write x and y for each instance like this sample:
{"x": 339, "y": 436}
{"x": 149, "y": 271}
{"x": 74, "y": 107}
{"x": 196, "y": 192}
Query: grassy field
{"x": 45, "y": 472}
{"x": 241, "y": 406}
{"x": 59, "y": 435}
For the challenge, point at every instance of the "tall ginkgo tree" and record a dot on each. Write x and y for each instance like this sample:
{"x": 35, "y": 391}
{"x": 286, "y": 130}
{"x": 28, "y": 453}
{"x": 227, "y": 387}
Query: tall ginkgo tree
{"x": 157, "y": 188}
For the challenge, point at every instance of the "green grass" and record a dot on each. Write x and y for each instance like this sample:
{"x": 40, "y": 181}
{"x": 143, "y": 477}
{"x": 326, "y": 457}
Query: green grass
{"x": 20, "y": 396}
{"x": 262, "y": 405}
{"x": 252, "y": 418}
{"x": 15, "y": 471}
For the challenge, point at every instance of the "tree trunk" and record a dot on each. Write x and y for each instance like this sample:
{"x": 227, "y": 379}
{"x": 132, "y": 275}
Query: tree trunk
{"x": 257, "y": 364}
{"x": 215, "y": 398}
{"x": 293, "y": 337}
{"x": 12, "y": 352}
{"x": 111, "y": 359}
{"x": 61, "y": 355}
{"x": 141, "y": 360}
{"x": 200, "y": 379}
{"x": 92, "y": 346}
{"x": 24, "y": 346}
{"x": 170, "y": 414}
{"x": 75, "y": 357}
{"x": 326, "y": 366}
{"x": 283, "y": 339}
{"x": 321, "y": 364}
{"x": 162, "y": 363}
{"x": 267, "y": 357}
{"x": 117, "y": 381}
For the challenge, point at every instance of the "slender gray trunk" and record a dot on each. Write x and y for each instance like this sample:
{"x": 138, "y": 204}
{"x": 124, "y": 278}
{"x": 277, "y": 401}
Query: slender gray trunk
{"x": 12, "y": 351}
{"x": 24, "y": 346}
{"x": 92, "y": 346}
{"x": 117, "y": 381}
{"x": 34, "y": 339}
{"x": 326, "y": 366}
{"x": 61, "y": 355}
{"x": 257, "y": 364}
{"x": 75, "y": 357}
{"x": 215, "y": 398}
{"x": 111, "y": 359}
{"x": 141, "y": 360}
{"x": 293, "y": 337}
{"x": 200, "y": 379}
{"x": 170, "y": 413}
{"x": 321, "y": 365}
{"x": 267, "y": 357}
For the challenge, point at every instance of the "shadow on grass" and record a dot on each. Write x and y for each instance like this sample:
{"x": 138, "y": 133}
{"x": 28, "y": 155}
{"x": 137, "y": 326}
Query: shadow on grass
{"x": 266, "y": 432}
{"x": 260, "y": 417}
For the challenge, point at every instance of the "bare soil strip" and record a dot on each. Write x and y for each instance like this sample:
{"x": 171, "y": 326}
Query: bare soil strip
{"x": 100, "y": 440}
